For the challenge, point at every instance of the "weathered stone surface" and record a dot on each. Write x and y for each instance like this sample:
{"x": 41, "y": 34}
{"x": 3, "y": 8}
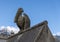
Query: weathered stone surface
{"x": 37, "y": 33}
{"x": 30, "y": 35}
{"x": 45, "y": 35}
{"x": 13, "y": 39}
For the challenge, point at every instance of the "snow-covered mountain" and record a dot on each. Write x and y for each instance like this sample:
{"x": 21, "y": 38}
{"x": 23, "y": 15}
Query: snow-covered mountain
{"x": 9, "y": 29}
{"x": 57, "y": 38}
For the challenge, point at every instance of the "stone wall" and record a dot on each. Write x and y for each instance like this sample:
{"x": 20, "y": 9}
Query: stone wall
{"x": 37, "y": 33}
{"x": 40, "y": 33}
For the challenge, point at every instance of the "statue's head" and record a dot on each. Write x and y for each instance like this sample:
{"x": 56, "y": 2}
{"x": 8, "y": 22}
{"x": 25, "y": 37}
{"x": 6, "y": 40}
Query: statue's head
{"x": 20, "y": 9}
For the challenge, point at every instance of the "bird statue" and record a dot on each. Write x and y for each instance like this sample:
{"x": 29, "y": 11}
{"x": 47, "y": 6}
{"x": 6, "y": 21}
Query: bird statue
{"x": 22, "y": 20}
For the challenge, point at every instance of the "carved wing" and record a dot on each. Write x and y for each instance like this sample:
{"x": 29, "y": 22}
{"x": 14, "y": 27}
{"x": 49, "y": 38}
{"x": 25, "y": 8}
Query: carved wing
{"x": 27, "y": 21}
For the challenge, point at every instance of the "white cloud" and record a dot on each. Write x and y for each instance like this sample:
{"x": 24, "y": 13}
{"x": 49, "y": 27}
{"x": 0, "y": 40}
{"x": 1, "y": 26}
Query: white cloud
{"x": 58, "y": 34}
{"x": 2, "y": 27}
{"x": 10, "y": 28}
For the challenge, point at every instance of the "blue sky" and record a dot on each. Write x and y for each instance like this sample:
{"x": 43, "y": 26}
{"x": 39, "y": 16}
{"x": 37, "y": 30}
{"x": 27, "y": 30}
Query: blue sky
{"x": 37, "y": 10}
